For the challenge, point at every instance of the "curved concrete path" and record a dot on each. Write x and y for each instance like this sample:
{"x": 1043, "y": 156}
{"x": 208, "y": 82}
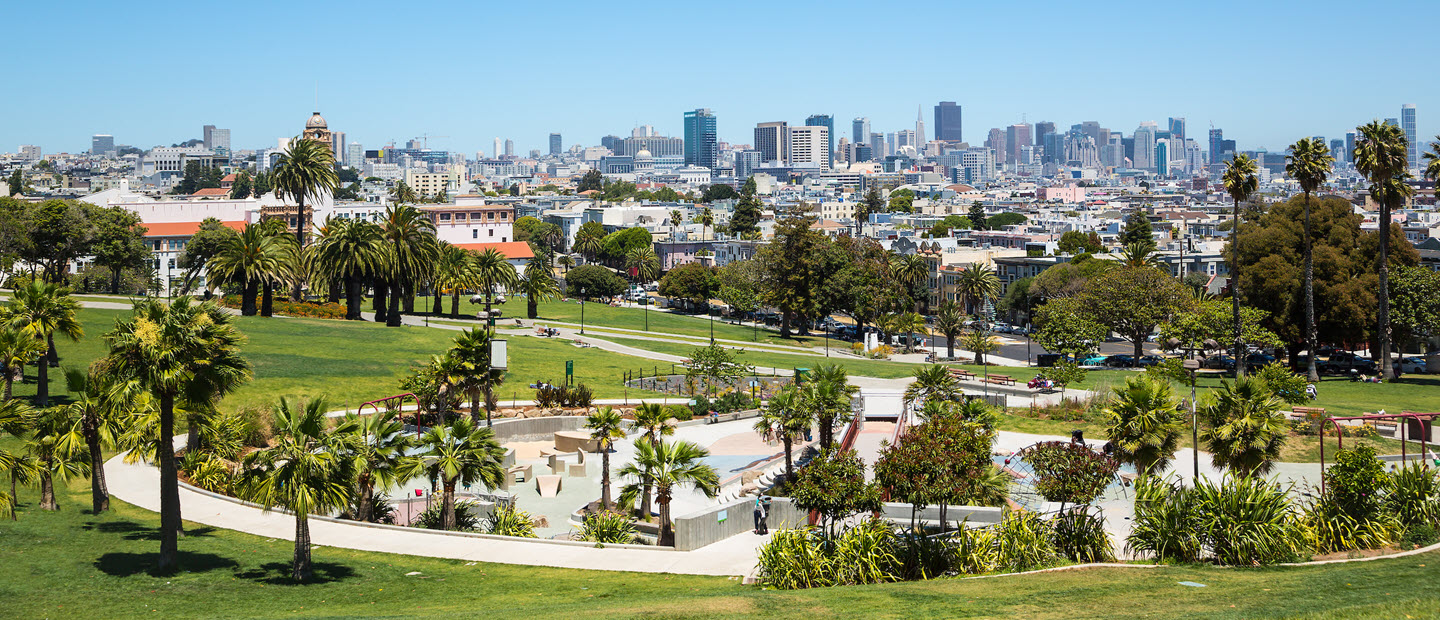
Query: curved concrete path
{"x": 139, "y": 484}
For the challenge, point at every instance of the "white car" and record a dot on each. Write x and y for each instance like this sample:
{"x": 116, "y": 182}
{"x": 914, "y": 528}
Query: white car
{"x": 1414, "y": 365}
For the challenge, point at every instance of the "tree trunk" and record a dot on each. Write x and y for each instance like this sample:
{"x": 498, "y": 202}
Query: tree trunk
{"x": 1382, "y": 312}
{"x": 337, "y": 290}
{"x": 52, "y": 357}
{"x": 267, "y": 299}
{"x": 784, "y": 323}
{"x": 605, "y": 477}
{"x": 352, "y": 299}
{"x": 114, "y": 281}
{"x": 297, "y": 293}
{"x": 42, "y": 386}
{"x": 667, "y": 535}
{"x": 9, "y": 384}
{"x": 786, "y": 439}
{"x": 447, "y": 506}
{"x": 827, "y": 426}
{"x": 1311, "y": 372}
{"x": 169, "y": 489}
{"x": 1140, "y": 349}
{"x": 47, "y": 488}
{"x": 192, "y": 433}
{"x": 14, "y": 497}
{"x": 645, "y": 498}
{"x": 365, "y": 503}
{"x": 301, "y": 570}
{"x": 247, "y": 299}
{"x": 532, "y": 307}
{"x": 409, "y": 289}
{"x": 455, "y": 303}
{"x": 438, "y": 303}
{"x": 950, "y": 346}
{"x": 393, "y": 318}
{"x": 1235, "y": 293}
{"x": 382, "y": 290}
{"x": 475, "y": 407}
{"x": 99, "y": 494}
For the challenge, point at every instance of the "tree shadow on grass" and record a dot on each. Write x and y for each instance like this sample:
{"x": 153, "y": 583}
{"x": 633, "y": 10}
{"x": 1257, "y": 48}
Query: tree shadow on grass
{"x": 137, "y": 531}
{"x": 128, "y": 564}
{"x": 278, "y": 573}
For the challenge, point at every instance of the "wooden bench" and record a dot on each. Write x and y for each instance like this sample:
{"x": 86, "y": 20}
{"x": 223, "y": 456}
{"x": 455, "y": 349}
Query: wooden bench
{"x": 1000, "y": 380}
{"x": 1314, "y": 414}
{"x": 961, "y": 373}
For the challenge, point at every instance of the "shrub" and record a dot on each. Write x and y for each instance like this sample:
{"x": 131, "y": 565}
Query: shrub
{"x": 1419, "y": 535}
{"x": 607, "y": 528}
{"x": 301, "y": 309}
{"x": 257, "y": 426}
{"x": 1247, "y": 521}
{"x": 465, "y": 518}
{"x": 1024, "y": 542}
{"x": 564, "y": 396}
{"x": 1069, "y": 472}
{"x": 680, "y": 412}
{"x": 1413, "y": 495}
{"x": 1355, "y": 481}
{"x": 1080, "y": 535}
{"x": 1165, "y": 523}
{"x": 507, "y": 520}
{"x": 207, "y": 471}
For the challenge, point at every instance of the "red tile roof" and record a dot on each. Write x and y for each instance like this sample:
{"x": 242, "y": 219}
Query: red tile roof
{"x": 513, "y": 250}
{"x": 212, "y": 191}
{"x": 182, "y": 229}
{"x": 229, "y": 178}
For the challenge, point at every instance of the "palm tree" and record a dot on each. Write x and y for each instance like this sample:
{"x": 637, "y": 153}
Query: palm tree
{"x": 455, "y": 270}
{"x": 605, "y": 427}
{"x": 910, "y": 322}
{"x": 39, "y": 310}
{"x": 101, "y": 414}
{"x": 910, "y": 271}
{"x": 17, "y": 350}
{"x": 412, "y": 248}
{"x": 587, "y": 244}
{"x": 1381, "y": 155}
{"x": 932, "y": 382}
{"x": 566, "y": 261}
{"x": 15, "y": 420}
{"x": 492, "y": 270}
{"x": 304, "y": 171}
{"x": 1432, "y": 159}
{"x": 380, "y": 458}
{"x": 402, "y": 193}
{"x": 1240, "y": 181}
{"x": 676, "y": 218}
{"x": 1138, "y": 254}
{"x": 188, "y": 349}
{"x": 654, "y": 423}
{"x": 980, "y": 341}
{"x": 645, "y": 263}
{"x": 57, "y": 453}
{"x": 1144, "y": 423}
{"x": 785, "y": 415}
{"x": 949, "y": 322}
{"x": 1246, "y": 428}
{"x": 472, "y": 349}
{"x": 305, "y": 471}
{"x": 538, "y": 284}
{"x": 1310, "y": 163}
{"x": 350, "y": 251}
{"x": 250, "y": 259}
{"x": 461, "y": 453}
{"x": 826, "y": 396}
{"x": 978, "y": 285}
{"x": 669, "y": 465}
{"x": 705, "y": 219}
{"x": 286, "y": 269}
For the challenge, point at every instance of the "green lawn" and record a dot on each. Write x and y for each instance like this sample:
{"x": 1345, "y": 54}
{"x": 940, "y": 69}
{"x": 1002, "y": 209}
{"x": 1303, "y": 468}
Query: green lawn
{"x": 74, "y": 564}
{"x": 350, "y": 362}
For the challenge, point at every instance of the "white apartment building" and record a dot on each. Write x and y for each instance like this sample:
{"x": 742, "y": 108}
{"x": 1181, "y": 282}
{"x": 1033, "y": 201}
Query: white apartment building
{"x": 809, "y": 147}
{"x": 470, "y": 221}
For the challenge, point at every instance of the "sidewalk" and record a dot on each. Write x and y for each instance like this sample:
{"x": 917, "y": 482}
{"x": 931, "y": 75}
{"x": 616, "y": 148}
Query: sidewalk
{"x": 139, "y": 484}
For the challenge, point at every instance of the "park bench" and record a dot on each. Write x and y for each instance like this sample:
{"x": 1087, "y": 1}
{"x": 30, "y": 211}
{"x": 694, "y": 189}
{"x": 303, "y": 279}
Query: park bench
{"x": 961, "y": 373}
{"x": 1000, "y": 380}
{"x": 1314, "y": 414}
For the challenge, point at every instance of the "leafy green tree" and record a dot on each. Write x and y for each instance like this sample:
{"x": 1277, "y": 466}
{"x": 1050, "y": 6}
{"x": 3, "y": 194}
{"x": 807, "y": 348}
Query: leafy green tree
{"x": 459, "y": 452}
{"x": 977, "y": 216}
{"x": 792, "y": 271}
{"x": 694, "y": 283}
{"x": 402, "y": 193}
{"x": 1415, "y": 303}
{"x": 304, "y": 171}
{"x": 834, "y": 485}
{"x": 1066, "y": 328}
{"x": 1064, "y": 373}
{"x": 1132, "y": 301}
{"x": 1381, "y": 154}
{"x": 718, "y": 191}
{"x": 595, "y": 280}
{"x": 1075, "y": 242}
{"x": 187, "y": 349}
{"x": 592, "y": 180}
{"x": 668, "y": 465}
{"x": 1137, "y": 229}
{"x": 304, "y": 471}
{"x": 1240, "y": 182}
{"x": 714, "y": 362}
{"x": 207, "y": 243}
{"x": 1309, "y": 164}
{"x": 16, "y": 350}
{"x": 119, "y": 243}
{"x": 58, "y": 232}
{"x": 745, "y": 219}
{"x": 379, "y": 455}
{"x": 17, "y": 184}
{"x": 39, "y": 310}
{"x": 1210, "y": 321}
{"x": 1245, "y": 427}
{"x": 1069, "y": 279}
{"x": 901, "y": 201}
{"x": 872, "y": 203}
{"x": 943, "y": 227}
{"x": 605, "y": 426}
{"x": 980, "y": 341}
{"x": 1145, "y": 423}
{"x": 240, "y": 188}
{"x": 617, "y": 245}
{"x": 996, "y": 222}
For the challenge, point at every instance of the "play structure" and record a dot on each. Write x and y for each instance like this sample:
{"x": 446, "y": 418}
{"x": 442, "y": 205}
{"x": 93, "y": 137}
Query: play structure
{"x": 1410, "y": 424}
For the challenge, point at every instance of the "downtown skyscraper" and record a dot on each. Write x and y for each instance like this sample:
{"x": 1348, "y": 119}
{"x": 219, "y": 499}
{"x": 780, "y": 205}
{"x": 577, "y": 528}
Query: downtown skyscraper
{"x": 828, "y": 122}
{"x": 1407, "y": 123}
{"x": 701, "y": 138}
{"x": 948, "y": 122}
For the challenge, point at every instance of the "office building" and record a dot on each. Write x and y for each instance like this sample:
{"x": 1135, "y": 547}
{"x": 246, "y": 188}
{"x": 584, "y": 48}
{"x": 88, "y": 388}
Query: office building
{"x": 1041, "y": 129}
{"x": 499, "y": 148}
{"x": 1162, "y": 156}
{"x": 556, "y": 144}
{"x": 215, "y": 139}
{"x": 905, "y": 137}
{"x": 30, "y": 153}
{"x": 828, "y": 122}
{"x": 1177, "y": 127}
{"x": 860, "y": 130}
{"x": 948, "y": 122}
{"x": 509, "y": 148}
{"x": 1016, "y": 136}
{"x": 878, "y": 149}
{"x": 701, "y": 138}
{"x": 1144, "y": 157}
{"x": 919, "y": 127}
{"x": 1407, "y": 123}
{"x": 808, "y": 147}
{"x": 746, "y": 162}
{"x": 1337, "y": 150}
{"x": 337, "y": 145}
{"x": 999, "y": 143}
{"x": 1216, "y": 137}
{"x": 770, "y": 140}
{"x": 355, "y": 155}
{"x": 101, "y": 144}
{"x": 660, "y": 147}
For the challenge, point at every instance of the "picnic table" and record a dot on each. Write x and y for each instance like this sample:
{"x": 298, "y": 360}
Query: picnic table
{"x": 1000, "y": 379}
{"x": 961, "y": 373}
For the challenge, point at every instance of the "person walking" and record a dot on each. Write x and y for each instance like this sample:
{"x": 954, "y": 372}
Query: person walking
{"x": 762, "y": 514}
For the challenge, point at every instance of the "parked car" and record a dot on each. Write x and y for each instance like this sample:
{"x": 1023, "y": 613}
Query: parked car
{"x": 1149, "y": 360}
{"x": 1413, "y": 365}
{"x": 1256, "y": 360}
{"x": 1001, "y": 328}
{"x": 1120, "y": 361}
{"x": 1219, "y": 362}
{"x": 1343, "y": 364}
{"x": 1093, "y": 359}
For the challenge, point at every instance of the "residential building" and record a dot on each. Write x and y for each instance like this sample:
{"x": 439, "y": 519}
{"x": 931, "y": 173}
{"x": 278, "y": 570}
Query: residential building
{"x": 808, "y": 147}
{"x": 948, "y": 122}
{"x": 470, "y": 221}
{"x": 700, "y": 139}
{"x": 30, "y": 153}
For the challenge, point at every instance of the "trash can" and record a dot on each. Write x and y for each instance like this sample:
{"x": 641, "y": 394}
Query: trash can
{"x": 1046, "y": 360}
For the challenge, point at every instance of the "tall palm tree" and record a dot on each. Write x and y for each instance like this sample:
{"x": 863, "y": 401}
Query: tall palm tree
{"x": 39, "y": 310}
{"x": 950, "y": 321}
{"x": 827, "y": 396}
{"x": 910, "y": 271}
{"x": 187, "y": 349}
{"x": 350, "y": 251}
{"x": 491, "y": 271}
{"x": 980, "y": 341}
{"x": 538, "y": 284}
{"x": 100, "y": 414}
{"x": 304, "y": 171}
{"x": 380, "y": 458}
{"x": 1381, "y": 155}
{"x": 286, "y": 269}
{"x": 461, "y": 453}
{"x": 17, "y": 350}
{"x": 57, "y": 454}
{"x": 472, "y": 349}
{"x": 785, "y": 415}
{"x": 411, "y": 249}
{"x": 587, "y": 244}
{"x": 1240, "y": 182}
{"x": 653, "y": 421}
{"x": 706, "y": 219}
{"x": 645, "y": 263}
{"x": 669, "y": 465}
{"x": 1309, "y": 164}
{"x": 1432, "y": 161}
{"x": 1246, "y": 428}
{"x": 454, "y": 270}
{"x": 932, "y": 382}
{"x": 1145, "y": 424}
{"x": 978, "y": 284}
{"x": 250, "y": 259}
{"x": 403, "y": 193}
{"x": 605, "y": 426}
{"x": 15, "y": 420}
{"x": 676, "y": 218}
{"x": 565, "y": 261}
{"x": 305, "y": 471}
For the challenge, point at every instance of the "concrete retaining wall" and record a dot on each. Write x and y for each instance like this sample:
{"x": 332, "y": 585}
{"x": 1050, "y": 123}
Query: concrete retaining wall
{"x": 703, "y": 527}
{"x": 535, "y": 429}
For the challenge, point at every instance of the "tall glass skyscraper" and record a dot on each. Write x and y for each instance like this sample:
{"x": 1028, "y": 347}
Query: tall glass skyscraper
{"x": 947, "y": 122}
{"x": 828, "y": 122}
{"x": 555, "y": 144}
{"x": 1407, "y": 123}
{"x": 700, "y": 139}
{"x": 860, "y": 130}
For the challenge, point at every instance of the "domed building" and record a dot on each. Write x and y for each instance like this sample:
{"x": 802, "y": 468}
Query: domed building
{"x": 644, "y": 161}
{"x": 317, "y": 129}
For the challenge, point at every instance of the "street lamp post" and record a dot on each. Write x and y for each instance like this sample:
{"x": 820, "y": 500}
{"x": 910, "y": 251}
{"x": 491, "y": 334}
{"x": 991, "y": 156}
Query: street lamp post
{"x": 582, "y": 311}
{"x": 1193, "y": 365}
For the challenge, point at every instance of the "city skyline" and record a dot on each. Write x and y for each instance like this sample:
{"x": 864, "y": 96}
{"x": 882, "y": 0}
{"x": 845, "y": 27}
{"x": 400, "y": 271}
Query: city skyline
{"x": 1258, "y": 113}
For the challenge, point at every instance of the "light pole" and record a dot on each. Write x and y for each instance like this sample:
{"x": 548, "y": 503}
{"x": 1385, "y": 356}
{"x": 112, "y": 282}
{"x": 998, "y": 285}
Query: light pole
{"x": 582, "y": 311}
{"x": 710, "y": 316}
{"x": 1193, "y": 365}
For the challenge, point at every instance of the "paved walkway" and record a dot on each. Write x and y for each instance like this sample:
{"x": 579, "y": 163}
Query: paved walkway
{"x": 139, "y": 484}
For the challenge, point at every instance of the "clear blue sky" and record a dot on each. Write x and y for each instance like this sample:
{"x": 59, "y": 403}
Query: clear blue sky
{"x": 153, "y": 73}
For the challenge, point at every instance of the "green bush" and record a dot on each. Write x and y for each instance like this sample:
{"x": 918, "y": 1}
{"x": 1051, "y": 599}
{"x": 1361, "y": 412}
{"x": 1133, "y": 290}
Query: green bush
{"x": 1165, "y": 523}
{"x": 1355, "y": 483}
{"x": 432, "y": 518}
{"x": 507, "y": 520}
{"x": 1420, "y": 535}
{"x": 1070, "y": 473}
{"x": 680, "y": 412}
{"x": 1024, "y": 542}
{"x": 1413, "y": 494}
{"x": 607, "y": 528}
{"x": 1242, "y": 521}
{"x": 1080, "y": 535}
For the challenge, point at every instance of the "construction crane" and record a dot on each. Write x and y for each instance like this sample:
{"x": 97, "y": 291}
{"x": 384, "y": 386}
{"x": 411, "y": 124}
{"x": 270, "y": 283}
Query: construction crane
{"x": 424, "y": 139}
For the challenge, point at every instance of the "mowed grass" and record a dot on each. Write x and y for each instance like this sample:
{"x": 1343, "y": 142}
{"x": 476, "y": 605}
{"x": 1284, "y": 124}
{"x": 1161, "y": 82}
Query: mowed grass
{"x": 74, "y": 564}
{"x": 350, "y": 362}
